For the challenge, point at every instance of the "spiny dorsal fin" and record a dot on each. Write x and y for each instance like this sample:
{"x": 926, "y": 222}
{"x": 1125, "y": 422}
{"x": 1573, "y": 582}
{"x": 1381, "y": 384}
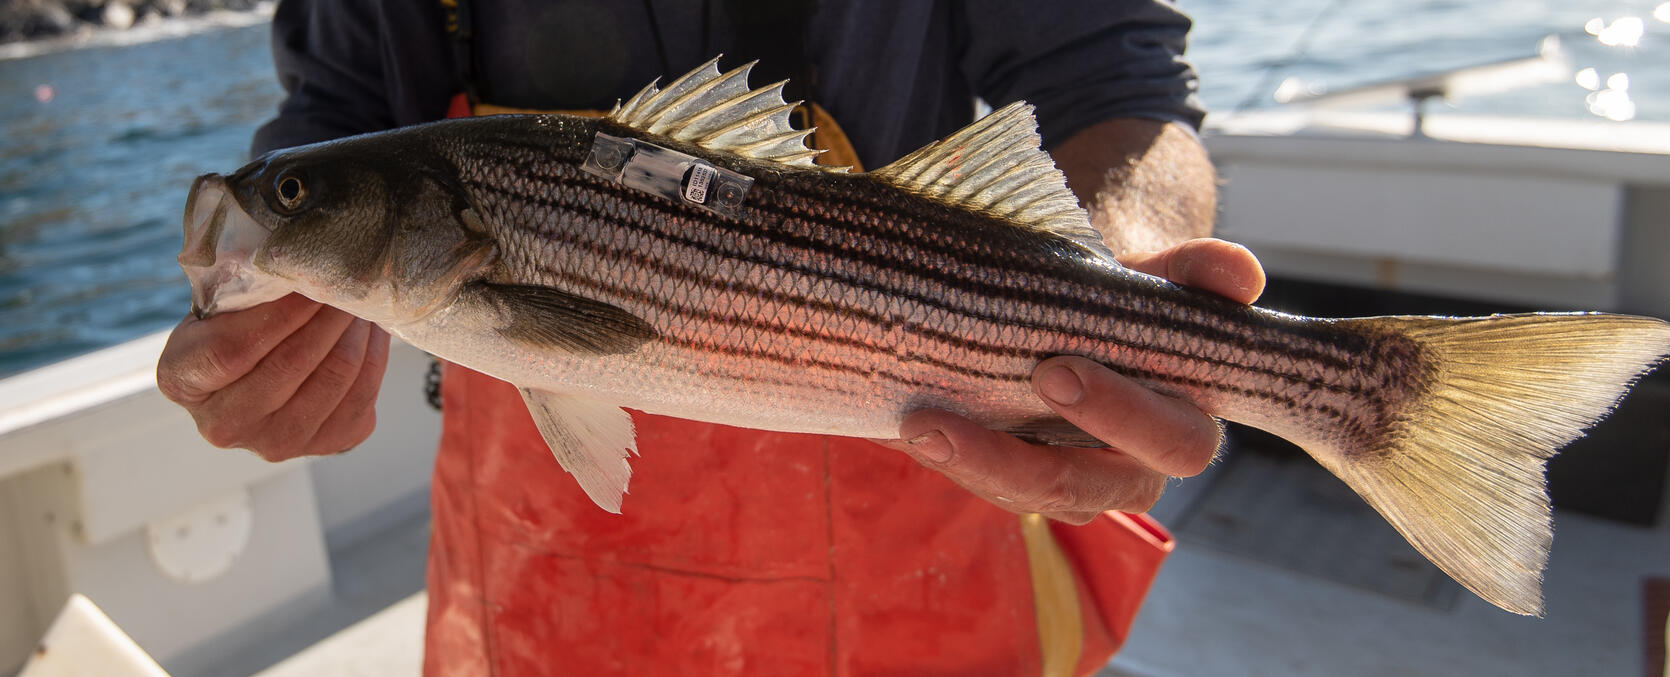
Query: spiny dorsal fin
{"x": 996, "y": 166}
{"x": 719, "y": 112}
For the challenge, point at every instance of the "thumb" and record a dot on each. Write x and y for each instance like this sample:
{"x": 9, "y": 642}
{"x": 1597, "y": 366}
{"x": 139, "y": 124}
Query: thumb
{"x": 1163, "y": 433}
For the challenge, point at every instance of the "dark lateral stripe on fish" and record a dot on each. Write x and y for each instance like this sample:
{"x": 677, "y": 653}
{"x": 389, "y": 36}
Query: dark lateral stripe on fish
{"x": 537, "y": 186}
{"x": 707, "y": 345}
{"x": 666, "y": 270}
{"x": 714, "y": 250}
{"x": 882, "y": 206}
{"x": 692, "y": 343}
{"x": 1198, "y": 321}
{"x": 1354, "y": 389}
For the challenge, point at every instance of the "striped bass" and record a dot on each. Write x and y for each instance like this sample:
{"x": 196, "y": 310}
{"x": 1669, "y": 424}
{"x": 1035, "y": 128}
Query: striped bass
{"x": 684, "y": 256}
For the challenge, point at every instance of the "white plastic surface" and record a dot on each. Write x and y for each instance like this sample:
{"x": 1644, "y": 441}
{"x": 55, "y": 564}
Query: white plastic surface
{"x": 84, "y": 641}
{"x": 201, "y": 543}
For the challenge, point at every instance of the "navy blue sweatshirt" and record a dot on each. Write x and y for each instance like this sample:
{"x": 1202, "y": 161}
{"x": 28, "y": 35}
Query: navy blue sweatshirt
{"x": 896, "y": 74}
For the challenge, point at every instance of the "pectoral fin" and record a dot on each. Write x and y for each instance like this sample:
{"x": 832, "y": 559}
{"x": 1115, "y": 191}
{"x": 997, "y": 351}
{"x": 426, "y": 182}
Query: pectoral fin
{"x": 591, "y": 440}
{"x": 552, "y": 318}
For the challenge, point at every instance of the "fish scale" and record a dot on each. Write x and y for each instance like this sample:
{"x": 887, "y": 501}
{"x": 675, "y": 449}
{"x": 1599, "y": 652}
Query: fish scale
{"x": 830, "y": 302}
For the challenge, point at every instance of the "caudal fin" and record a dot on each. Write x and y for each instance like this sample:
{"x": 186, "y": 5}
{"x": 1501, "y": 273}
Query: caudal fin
{"x": 1460, "y": 472}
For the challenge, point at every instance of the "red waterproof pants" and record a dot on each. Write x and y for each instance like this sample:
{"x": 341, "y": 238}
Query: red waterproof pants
{"x": 739, "y": 553}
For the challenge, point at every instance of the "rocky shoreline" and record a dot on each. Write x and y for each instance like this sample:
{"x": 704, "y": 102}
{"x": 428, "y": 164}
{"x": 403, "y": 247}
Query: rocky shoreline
{"x": 22, "y": 20}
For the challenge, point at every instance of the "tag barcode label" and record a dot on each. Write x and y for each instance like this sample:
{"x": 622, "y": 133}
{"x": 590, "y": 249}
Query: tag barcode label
{"x": 701, "y": 176}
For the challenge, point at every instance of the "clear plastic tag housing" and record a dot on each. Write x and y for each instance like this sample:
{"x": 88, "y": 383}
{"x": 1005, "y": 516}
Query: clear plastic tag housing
{"x": 668, "y": 173}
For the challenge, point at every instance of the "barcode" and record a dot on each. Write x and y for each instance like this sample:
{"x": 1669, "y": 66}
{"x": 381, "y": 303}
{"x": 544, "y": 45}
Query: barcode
{"x": 701, "y": 176}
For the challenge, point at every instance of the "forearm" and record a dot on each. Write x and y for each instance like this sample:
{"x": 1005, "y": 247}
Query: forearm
{"x": 1148, "y": 185}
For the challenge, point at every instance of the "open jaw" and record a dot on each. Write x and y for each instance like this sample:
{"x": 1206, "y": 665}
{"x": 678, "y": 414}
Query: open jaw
{"x": 218, "y": 256}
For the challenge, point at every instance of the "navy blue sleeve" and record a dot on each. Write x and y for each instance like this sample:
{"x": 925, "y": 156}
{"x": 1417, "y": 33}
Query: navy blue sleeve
{"x": 1081, "y": 62}
{"x": 355, "y": 66}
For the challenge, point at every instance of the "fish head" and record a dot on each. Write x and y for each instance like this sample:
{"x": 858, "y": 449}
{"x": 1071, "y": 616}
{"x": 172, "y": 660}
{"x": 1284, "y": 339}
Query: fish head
{"x": 220, "y": 243}
{"x": 352, "y": 225}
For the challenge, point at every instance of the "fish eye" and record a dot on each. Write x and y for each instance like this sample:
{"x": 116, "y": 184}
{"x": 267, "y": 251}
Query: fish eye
{"x": 290, "y": 192}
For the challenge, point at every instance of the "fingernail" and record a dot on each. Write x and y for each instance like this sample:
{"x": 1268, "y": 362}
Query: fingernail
{"x": 931, "y": 445}
{"x": 1061, "y": 386}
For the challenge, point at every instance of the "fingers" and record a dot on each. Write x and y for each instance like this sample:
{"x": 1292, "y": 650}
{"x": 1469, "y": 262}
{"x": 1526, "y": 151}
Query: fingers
{"x": 1065, "y": 483}
{"x": 284, "y": 379}
{"x": 239, "y": 410}
{"x": 204, "y": 356}
{"x": 354, "y": 417}
{"x": 323, "y": 390}
{"x": 1162, "y": 433}
{"x": 1151, "y": 436}
{"x": 1223, "y": 268}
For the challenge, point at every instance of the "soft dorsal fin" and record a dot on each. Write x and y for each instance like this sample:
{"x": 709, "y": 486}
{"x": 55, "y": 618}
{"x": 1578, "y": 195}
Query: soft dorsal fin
{"x": 719, "y": 112}
{"x": 995, "y": 166}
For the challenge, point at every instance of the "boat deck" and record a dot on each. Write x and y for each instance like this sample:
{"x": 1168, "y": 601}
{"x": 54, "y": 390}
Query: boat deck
{"x": 1216, "y": 609}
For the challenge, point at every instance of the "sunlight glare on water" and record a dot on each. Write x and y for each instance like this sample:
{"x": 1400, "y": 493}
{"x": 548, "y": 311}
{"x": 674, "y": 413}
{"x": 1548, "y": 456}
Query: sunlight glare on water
{"x": 1588, "y": 78}
{"x": 1612, "y": 103}
{"x": 1623, "y": 32}
{"x": 1315, "y": 46}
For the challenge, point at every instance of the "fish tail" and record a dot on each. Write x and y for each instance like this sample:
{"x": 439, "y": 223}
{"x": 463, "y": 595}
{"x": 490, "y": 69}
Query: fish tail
{"x": 1459, "y": 468}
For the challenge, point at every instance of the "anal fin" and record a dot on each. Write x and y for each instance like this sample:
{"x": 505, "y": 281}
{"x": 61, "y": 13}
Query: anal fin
{"x": 591, "y": 439}
{"x": 1052, "y": 430}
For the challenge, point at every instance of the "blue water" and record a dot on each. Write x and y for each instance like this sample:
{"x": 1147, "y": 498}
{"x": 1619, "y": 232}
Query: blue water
{"x": 92, "y": 181}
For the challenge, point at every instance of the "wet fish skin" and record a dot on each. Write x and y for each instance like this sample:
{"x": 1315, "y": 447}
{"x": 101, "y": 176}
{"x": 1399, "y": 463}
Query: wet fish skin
{"x": 838, "y": 303}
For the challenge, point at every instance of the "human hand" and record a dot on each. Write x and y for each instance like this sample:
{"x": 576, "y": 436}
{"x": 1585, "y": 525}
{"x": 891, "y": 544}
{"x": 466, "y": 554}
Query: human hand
{"x": 287, "y": 378}
{"x": 1150, "y": 436}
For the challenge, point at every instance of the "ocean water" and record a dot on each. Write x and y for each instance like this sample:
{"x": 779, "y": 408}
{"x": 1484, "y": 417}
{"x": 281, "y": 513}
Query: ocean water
{"x": 1618, "y": 50}
{"x": 98, "y": 145}
{"x": 97, "y": 149}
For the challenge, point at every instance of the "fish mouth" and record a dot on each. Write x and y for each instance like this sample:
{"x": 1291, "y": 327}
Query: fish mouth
{"x": 221, "y": 240}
